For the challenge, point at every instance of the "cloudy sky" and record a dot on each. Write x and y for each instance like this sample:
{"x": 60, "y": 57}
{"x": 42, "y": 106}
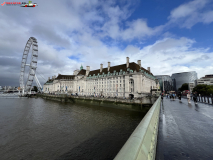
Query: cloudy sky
{"x": 168, "y": 36}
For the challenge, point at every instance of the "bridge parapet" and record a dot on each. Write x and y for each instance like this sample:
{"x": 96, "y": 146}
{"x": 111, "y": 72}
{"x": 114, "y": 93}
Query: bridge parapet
{"x": 142, "y": 143}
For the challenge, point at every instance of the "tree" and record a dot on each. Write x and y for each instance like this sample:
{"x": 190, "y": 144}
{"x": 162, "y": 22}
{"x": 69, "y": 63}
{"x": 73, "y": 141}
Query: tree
{"x": 35, "y": 89}
{"x": 204, "y": 89}
{"x": 184, "y": 86}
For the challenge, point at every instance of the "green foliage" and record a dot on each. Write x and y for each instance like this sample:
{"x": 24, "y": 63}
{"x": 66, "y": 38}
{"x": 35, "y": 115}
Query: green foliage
{"x": 35, "y": 89}
{"x": 204, "y": 89}
{"x": 184, "y": 86}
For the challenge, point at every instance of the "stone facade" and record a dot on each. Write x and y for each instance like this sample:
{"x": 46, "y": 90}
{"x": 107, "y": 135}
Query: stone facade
{"x": 191, "y": 86}
{"x": 208, "y": 80}
{"x": 120, "y": 81}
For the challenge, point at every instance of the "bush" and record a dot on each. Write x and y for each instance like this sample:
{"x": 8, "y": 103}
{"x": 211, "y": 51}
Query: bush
{"x": 35, "y": 89}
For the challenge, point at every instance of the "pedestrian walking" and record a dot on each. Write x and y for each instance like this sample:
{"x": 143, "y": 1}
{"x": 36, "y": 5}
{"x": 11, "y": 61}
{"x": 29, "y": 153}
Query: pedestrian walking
{"x": 195, "y": 97}
{"x": 173, "y": 96}
{"x": 162, "y": 98}
{"x": 189, "y": 97}
{"x": 179, "y": 96}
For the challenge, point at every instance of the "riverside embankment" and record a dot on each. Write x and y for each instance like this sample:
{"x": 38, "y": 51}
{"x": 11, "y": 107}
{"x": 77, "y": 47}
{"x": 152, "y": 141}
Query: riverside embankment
{"x": 143, "y": 104}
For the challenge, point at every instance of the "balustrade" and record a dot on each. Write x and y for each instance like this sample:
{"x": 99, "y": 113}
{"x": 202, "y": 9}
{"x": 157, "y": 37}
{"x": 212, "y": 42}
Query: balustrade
{"x": 205, "y": 99}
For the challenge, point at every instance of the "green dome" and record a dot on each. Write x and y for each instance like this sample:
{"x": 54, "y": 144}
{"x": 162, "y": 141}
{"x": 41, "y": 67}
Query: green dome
{"x": 81, "y": 67}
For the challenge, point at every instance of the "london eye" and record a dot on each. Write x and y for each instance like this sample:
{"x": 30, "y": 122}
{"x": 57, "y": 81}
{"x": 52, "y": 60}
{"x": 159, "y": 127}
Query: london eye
{"x": 26, "y": 85}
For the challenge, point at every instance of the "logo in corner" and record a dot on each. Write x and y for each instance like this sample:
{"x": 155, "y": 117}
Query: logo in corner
{"x": 3, "y": 3}
{"x": 29, "y": 4}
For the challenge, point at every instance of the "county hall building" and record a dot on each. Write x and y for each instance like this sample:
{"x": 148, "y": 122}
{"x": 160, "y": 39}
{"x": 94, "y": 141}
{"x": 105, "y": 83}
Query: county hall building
{"x": 120, "y": 81}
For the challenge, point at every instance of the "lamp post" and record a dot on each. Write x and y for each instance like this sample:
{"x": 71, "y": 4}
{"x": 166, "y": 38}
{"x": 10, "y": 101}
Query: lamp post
{"x": 163, "y": 84}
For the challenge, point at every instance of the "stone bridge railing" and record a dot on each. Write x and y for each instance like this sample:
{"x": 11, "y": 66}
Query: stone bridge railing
{"x": 142, "y": 143}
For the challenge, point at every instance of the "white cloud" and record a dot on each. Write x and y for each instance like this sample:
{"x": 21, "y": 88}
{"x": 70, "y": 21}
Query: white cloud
{"x": 188, "y": 14}
{"x": 173, "y": 55}
{"x": 207, "y": 17}
{"x": 139, "y": 29}
{"x": 187, "y": 9}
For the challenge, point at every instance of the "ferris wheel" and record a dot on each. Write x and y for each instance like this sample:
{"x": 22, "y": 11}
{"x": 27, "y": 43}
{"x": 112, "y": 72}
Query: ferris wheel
{"x": 26, "y": 86}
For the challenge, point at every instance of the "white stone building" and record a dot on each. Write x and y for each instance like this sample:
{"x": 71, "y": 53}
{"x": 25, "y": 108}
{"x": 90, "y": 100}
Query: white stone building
{"x": 120, "y": 81}
{"x": 191, "y": 86}
{"x": 208, "y": 80}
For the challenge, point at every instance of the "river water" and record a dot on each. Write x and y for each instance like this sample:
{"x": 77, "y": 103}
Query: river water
{"x": 38, "y": 129}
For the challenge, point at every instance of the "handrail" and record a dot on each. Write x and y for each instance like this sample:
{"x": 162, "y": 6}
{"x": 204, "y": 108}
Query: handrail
{"x": 142, "y": 143}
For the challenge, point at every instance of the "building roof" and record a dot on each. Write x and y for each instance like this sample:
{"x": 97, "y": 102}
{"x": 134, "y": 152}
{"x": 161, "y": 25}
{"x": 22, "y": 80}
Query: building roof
{"x": 185, "y": 72}
{"x": 65, "y": 76}
{"x": 133, "y": 66}
{"x": 163, "y": 75}
{"x": 82, "y": 72}
{"x": 208, "y": 76}
{"x": 49, "y": 81}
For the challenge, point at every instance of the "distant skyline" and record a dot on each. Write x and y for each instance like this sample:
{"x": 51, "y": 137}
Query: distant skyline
{"x": 168, "y": 36}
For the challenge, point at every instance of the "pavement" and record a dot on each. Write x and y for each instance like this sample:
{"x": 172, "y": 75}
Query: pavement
{"x": 185, "y": 131}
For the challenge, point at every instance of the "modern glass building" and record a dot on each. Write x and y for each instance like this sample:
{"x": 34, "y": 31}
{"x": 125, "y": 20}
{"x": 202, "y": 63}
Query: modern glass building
{"x": 166, "y": 83}
{"x": 184, "y": 77}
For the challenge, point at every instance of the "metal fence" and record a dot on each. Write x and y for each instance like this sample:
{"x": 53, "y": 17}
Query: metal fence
{"x": 203, "y": 99}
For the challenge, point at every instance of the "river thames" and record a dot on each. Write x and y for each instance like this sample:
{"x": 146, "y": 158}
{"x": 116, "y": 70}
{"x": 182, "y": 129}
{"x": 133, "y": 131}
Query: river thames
{"x": 38, "y": 129}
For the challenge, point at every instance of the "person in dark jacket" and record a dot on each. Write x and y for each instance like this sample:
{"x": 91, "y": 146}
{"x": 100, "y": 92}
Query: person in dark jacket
{"x": 171, "y": 97}
{"x": 179, "y": 96}
{"x": 195, "y": 97}
{"x": 162, "y": 97}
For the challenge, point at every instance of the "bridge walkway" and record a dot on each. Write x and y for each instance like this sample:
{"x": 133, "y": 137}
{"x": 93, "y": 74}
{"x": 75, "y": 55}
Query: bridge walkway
{"x": 185, "y": 131}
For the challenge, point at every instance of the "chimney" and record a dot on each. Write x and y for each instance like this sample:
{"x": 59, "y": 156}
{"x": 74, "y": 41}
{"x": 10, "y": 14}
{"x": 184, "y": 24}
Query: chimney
{"x": 127, "y": 62}
{"x": 48, "y": 78}
{"x": 108, "y": 66}
{"x": 101, "y": 67}
{"x": 148, "y": 68}
{"x": 88, "y": 70}
{"x": 139, "y": 63}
